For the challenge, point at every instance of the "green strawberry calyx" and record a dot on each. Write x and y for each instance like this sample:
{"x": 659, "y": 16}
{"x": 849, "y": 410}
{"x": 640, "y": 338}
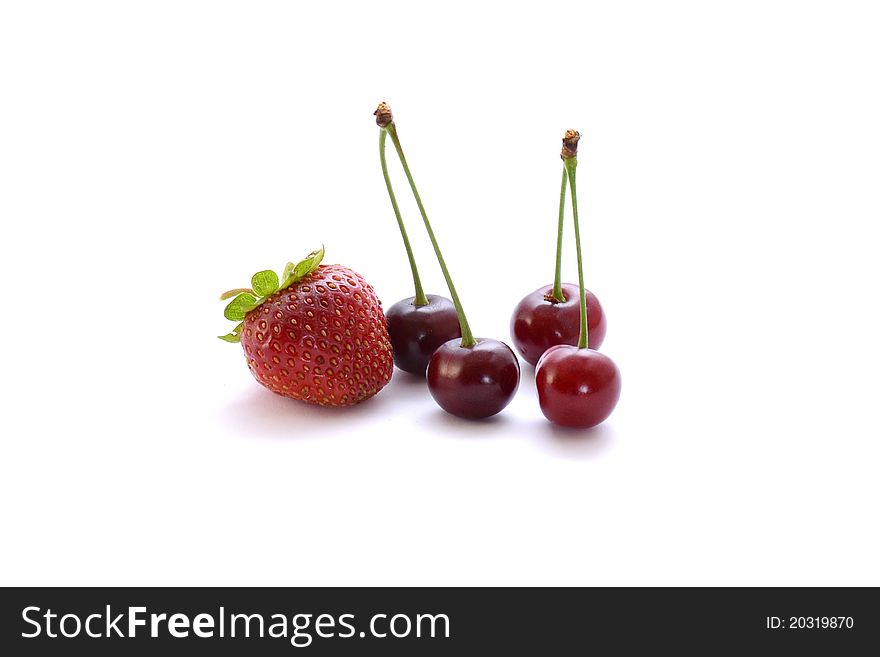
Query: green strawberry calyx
{"x": 263, "y": 285}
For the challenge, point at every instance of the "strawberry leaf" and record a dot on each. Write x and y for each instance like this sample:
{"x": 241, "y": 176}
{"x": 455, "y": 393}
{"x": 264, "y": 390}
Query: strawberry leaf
{"x": 294, "y": 272}
{"x": 234, "y": 335}
{"x": 232, "y": 293}
{"x": 309, "y": 264}
{"x": 240, "y": 306}
{"x": 265, "y": 283}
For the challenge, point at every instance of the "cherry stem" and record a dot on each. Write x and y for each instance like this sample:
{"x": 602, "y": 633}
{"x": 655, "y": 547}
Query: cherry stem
{"x": 558, "y": 294}
{"x": 420, "y": 299}
{"x": 467, "y": 337}
{"x": 570, "y": 168}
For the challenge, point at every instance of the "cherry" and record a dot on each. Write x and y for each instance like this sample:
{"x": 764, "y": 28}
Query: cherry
{"x": 469, "y": 378}
{"x": 540, "y": 321}
{"x": 551, "y": 315}
{"x": 577, "y": 386}
{"x": 473, "y": 382}
{"x": 421, "y": 323}
{"x": 417, "y": 331}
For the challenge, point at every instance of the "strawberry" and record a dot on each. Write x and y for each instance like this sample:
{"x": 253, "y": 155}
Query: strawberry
{"x": 318, "y": 335}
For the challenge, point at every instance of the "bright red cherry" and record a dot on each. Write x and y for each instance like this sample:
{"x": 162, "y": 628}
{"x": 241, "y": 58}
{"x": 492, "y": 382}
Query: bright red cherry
{"x": 473, "y": 382}
{"x": 551, "y": 315}
{"x": 417, "y": 331}
{"x": 540, "y": 322}
{"x": 577, "y": 387}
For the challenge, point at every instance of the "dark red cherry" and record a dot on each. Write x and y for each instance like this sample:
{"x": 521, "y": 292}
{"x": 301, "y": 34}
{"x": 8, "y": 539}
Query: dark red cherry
{"x": 577, "y": 387}
{"x": 538, "y": 324}
{"x": 417, "y": 331}
{"x": 473, "y": 382}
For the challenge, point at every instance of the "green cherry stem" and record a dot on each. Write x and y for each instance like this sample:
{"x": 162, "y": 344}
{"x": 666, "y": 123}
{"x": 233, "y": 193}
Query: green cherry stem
{"x": 467, "y": 337}
{"x": 570, "y": 160}
{"x": 420, "y": 298}
{"x": 558, "y": 295}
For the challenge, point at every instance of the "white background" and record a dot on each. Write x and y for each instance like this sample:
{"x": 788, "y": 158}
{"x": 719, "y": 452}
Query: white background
{"x": 155, "y": 154}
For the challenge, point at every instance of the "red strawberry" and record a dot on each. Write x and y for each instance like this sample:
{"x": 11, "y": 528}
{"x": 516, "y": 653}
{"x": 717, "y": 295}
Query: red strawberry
{"x": 319, "y": 335}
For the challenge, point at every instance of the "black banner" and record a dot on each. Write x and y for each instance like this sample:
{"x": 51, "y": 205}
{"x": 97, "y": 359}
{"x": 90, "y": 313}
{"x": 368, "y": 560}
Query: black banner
{"x": 446, "y": 621}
